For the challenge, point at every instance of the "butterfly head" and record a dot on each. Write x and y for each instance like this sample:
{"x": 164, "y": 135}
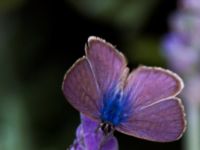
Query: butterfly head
{"x": 107, "y": 128}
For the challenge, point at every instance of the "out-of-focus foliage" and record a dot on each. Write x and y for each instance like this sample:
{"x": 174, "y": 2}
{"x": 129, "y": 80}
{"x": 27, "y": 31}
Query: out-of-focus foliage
{"x": 10, "y": 5}
{"x": 145, "y": 50}
{"x": 121, "y": 13}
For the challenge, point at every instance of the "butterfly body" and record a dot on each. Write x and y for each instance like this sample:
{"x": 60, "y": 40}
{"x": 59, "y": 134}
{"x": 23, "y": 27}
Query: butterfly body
{"x": 114, "y": 108}
{"x": 141, "y": 103}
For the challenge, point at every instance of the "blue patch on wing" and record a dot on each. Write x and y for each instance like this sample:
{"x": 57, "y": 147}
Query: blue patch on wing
{"x": 114, "y": 108}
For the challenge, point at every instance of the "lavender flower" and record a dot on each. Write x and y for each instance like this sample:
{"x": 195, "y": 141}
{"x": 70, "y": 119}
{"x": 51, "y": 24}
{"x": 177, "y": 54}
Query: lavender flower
{"x": 192, "y": 89}
{"x": 181, "y": 57}
{"x": 191, "y": 5}
{"x": 187, "y": 24}
{"x": 182, "y": 50}
{"x": 182, "y": 46}
{"x": 90, "y": 137}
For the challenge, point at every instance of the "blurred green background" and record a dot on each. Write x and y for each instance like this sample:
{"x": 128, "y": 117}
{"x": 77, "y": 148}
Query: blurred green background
{"x": 40, "y": 40}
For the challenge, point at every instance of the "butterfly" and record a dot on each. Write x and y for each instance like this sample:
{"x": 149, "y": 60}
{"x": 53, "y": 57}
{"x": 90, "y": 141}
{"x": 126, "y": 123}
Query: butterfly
{"x": 141, "y": 103}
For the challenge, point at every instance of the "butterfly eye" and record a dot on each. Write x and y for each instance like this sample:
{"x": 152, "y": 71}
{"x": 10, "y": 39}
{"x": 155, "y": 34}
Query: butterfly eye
{"x": 107, "y": 128}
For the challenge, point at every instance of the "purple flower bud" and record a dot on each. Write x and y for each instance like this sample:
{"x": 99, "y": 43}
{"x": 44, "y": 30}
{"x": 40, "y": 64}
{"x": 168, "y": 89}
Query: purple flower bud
{"x": 180, "y": 55}
{"x": 90, "y": 137}
{"x": 182, "y": 46}
{"x": 191, "y": 91}
{"x": 191, "y": 5}
{"x": 187, "y": 25}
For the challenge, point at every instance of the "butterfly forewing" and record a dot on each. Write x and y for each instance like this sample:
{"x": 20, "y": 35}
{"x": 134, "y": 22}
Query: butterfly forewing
{"x": 81, "y": 89}
{"x": 162, "y": 121}
{"x": 108, "y": 65}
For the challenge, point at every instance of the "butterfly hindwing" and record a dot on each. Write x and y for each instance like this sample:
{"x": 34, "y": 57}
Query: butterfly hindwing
{"x": 162, "y": 121}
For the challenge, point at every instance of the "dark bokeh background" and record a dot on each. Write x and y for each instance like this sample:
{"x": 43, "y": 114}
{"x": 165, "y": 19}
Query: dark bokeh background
{"x": 40, "y": 40}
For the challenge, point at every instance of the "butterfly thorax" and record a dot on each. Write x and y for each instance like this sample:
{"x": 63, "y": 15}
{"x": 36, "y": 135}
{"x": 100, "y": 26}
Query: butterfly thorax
{"x": 112, "y": 111}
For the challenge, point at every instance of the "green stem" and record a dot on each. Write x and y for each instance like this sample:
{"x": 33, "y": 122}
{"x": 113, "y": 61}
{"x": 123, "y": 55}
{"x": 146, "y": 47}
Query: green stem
{"x": 193, "y": 128}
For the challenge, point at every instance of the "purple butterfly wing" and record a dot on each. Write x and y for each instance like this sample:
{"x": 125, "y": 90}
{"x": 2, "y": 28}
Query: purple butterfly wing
{"x": 92, "y": 76}
{"x": 162, "y": 121}
{"x": 108, "y": 64}
{"x": 146, "y": 85}
{"x": 154, "y": 113}
{"x": 80, "y": 88}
